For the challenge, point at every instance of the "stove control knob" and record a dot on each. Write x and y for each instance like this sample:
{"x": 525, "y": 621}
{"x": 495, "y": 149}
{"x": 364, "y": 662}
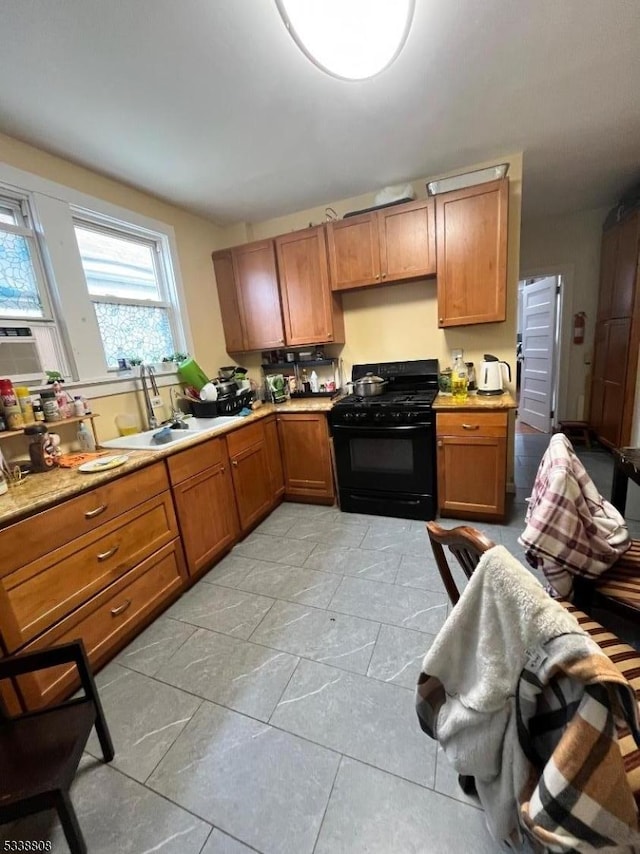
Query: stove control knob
{"x": 379, "y": 416}
{"x": 361, "y": 416}
{"x": 396, "y": 416}
{"x": 348, "y": 416}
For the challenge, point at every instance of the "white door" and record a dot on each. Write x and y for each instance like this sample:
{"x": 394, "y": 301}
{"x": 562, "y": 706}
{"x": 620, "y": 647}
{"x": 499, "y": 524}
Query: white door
{"x": 539, "y": 306}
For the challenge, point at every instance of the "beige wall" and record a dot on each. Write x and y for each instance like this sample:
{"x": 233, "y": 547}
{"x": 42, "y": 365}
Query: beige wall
{"x": 196, "y": 238}
{"x": 569, "y": 245}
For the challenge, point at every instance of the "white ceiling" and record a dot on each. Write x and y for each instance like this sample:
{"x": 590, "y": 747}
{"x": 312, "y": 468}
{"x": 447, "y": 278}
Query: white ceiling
{"x": 210, "y": 104}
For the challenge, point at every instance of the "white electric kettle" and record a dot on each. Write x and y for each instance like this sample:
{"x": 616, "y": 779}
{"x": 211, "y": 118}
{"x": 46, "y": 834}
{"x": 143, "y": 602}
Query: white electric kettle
{"x": 493, "y": 375}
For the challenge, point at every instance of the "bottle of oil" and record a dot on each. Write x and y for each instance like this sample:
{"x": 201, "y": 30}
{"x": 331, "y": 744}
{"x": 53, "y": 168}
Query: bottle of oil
{"x": 459, "y": 380}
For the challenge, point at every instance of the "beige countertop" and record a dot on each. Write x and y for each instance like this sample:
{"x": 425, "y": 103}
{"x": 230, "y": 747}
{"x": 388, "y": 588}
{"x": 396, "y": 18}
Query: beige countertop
{"x": 41, "y": 490}
{"x": 474, "y": 402}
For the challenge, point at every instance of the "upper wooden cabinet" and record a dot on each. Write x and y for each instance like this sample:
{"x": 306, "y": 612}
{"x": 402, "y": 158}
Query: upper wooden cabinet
{"x": 471, "y": 237}
{"x": 247, "y": 280}
{"x": 388, "y": 245}
{"x": 312, "y": 314}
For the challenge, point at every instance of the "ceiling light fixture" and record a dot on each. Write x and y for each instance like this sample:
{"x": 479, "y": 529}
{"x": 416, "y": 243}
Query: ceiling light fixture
{"x": 349, "y": 39}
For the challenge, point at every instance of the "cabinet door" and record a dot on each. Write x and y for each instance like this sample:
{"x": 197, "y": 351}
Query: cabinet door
{"x": 274, "y": 458}
{"x": 614, "y": 377}
{"x": 304, "y": 439}
{"x": 229, "y": 304}
{"x": 608, "y": 255}
{"x": 307, "y": 302}
{"x": 354, "y": 255}
{"x": 407, "y": 241}
{"x": 207, "y": 517}
{"x": 257, "y": 283}
{"x": 471, "y": 228}
{"x": 251, "y": 484}
{"x": 626, "y": 269}
{"x": 472, "y": 476}
{"x": 597, "y": 375}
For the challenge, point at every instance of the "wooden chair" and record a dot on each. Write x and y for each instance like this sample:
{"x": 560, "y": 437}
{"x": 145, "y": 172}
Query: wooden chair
{"x": 465, "y": 543}
{"x": 40, "y": 750}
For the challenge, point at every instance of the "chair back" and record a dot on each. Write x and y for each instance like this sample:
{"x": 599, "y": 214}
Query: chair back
{"x": 465, "y": 543}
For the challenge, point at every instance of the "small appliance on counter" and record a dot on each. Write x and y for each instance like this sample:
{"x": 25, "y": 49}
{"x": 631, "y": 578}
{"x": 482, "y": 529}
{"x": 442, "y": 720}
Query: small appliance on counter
{"x": 493, "y": 375}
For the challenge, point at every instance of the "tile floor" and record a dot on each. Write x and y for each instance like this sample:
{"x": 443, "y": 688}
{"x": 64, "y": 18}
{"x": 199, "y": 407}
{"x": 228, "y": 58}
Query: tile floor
{"x": 271, "y": 708}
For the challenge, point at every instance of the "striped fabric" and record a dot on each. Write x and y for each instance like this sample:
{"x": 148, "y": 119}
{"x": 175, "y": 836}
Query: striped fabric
{"x": 627, "y": 660}
{"x": 622, "y": 581}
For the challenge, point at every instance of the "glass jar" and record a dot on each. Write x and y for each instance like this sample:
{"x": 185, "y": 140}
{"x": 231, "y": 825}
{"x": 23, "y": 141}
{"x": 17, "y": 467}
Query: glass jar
{"x": 50, "y": 406}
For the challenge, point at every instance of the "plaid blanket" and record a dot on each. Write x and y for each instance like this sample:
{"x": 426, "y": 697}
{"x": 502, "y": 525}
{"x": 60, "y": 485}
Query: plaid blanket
{"x": 569, "y": 715}
{"x": 570, "y": 528}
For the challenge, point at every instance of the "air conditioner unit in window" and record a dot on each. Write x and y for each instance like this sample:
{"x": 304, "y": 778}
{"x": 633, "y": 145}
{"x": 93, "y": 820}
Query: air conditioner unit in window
{"x": 19, "y": 354}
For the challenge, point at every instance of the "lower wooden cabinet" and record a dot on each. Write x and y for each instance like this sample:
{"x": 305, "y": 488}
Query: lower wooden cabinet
{"x": 472, "y": 464}
{"x": 205, "y": 505}
{"x": 251, "y": 475}
{"x": 107, "y": 621}
{"x": 304, "y": 442}
{"x": 274, "y": 456}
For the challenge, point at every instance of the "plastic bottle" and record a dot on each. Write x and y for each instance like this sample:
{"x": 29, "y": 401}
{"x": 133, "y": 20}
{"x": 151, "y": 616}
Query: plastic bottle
{"x": 459, "y": 380}
{"x": 12, "y": 412}
{"x": 78, "y": 406}
{"x": 85, "y": 438}
{"x": 314, "y": 382}
{"x": 26, "y": 403}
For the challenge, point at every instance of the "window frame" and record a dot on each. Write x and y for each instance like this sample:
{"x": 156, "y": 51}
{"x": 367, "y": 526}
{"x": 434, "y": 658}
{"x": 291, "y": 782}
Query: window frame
{"x": 51, "y": 206}
{"x": 21, "y": 204}
{"x": 165, "y": 279}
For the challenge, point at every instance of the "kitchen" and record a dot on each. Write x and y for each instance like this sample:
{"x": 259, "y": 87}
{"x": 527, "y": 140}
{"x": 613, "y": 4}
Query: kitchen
{"x": 382, "y": 324}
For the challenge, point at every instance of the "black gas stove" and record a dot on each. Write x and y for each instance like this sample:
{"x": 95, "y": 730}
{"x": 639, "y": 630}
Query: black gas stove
{"x": 385, "y": 444}
{"x": 408, "y": 397}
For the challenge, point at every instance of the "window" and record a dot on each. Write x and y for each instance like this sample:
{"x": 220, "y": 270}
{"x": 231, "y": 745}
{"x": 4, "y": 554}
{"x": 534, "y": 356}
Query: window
{"x": 127, "y": 284}
{"x": 83, "y": 284}
{"x": 21, "y": 277}
{"x": 29, "y": 337}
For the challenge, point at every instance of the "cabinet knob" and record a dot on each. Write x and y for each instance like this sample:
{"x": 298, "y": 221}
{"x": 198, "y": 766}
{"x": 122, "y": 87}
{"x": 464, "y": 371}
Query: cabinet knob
{"x": 377, "y": 275}
{"x": 329, "y": 337}
{"x": 384, "y": 275}
{"x": 234, "y": 463}
{"x": 281, "y": 341}
{"x": 91, "y": 514}
{"x": 440, "y": 443}
{"x": 115, "y": 612}
{"x": 441, "y": 320}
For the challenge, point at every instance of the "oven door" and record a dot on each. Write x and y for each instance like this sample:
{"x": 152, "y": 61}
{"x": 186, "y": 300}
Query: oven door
{"x": 385, "y": 459}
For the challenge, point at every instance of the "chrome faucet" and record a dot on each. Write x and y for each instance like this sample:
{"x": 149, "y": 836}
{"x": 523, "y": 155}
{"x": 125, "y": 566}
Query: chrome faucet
{"x": 148, "y": 370}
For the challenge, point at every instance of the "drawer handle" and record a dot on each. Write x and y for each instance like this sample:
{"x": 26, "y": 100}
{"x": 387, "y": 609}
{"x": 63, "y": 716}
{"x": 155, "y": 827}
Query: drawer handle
{"x": 470, "y": 426}
{"x": 115, "y": 612}
{"x": 106, "y": 555}
{"x": 91, "y": 514}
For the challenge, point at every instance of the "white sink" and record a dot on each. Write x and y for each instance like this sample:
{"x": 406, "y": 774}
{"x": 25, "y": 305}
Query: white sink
{"x": 144, "y": 441}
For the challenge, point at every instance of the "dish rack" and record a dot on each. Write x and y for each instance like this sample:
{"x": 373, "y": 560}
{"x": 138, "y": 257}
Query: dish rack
{"x": 213, "y": 408}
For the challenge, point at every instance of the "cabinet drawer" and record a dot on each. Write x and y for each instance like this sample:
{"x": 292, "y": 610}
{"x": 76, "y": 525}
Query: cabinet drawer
{"x": 184, "y": 465}
{"x": 38, "y": 535}
{"x": 242, "y": 439}
{"x": 105, "y": 621}
{"x": 44, "y": 591}
{"x": 472, "y": 423}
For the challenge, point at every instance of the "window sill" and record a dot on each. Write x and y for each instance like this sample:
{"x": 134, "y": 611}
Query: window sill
{"x": 120, "y": 382}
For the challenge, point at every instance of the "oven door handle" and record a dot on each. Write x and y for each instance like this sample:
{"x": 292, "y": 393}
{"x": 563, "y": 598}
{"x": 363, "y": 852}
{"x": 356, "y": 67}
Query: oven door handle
{"x": 344, "y": 430}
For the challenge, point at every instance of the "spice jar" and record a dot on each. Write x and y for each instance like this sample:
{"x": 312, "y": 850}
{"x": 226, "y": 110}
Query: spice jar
{"x": 39, "y": 440}
{"x": 50, "y": 405}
